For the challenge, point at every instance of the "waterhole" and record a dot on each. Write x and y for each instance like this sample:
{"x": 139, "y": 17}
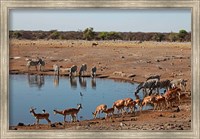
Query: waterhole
{"x": 52, "y": 92}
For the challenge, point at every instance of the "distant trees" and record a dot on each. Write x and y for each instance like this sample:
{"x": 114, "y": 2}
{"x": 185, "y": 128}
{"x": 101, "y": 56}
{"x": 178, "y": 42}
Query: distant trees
{"x": 158, "y": 37}
{"x": 173, "y": 37}
{"x": 17, "y": 34}
{"x": 103, "y": 35}
{"x": 54, "y": 35}
{"x": 90, "y": 34}
{"x": 182, "y": 34}
{"x": 109, "y": 36}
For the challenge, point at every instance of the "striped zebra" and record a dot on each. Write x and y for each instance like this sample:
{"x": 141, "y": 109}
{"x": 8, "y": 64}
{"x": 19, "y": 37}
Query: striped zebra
{"x": 154, "y": 77}
{"x": 31, "y": 63}
{"x": 148, "y": 85}
{"x": 82, "y": 69}
{"x": 41, "y": 64}
{"x": 164, "y": 84}
{"x": 93, "y": 71}
{"x": 72, "y": 70}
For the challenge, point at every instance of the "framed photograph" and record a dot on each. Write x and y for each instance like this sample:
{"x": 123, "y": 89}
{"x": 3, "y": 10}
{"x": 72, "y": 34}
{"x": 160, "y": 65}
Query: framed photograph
{"x": 100, "y": 69}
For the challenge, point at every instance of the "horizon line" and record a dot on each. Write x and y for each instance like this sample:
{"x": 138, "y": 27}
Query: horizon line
{"x": 99, "y": 31}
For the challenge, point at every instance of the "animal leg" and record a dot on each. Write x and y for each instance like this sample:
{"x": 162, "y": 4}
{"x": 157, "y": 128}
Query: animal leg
{"x": 37, "y": 121}
{"x": 64, "y": 118}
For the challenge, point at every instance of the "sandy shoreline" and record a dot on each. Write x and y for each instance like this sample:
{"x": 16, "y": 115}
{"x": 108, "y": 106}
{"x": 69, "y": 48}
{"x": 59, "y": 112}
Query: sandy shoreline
{"x": 127, "y": 61}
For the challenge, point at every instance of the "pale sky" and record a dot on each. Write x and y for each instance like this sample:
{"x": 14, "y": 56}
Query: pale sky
{"x": 101, "y": 19}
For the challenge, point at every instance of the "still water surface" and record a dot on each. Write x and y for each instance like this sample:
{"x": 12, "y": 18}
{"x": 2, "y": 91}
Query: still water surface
{"x": 49, "y": 93}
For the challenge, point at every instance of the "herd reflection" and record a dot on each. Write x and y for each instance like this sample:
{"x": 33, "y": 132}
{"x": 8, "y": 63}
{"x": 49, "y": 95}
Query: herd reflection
{"x": 36, "y": 80}
{"x": 39, "y": 80}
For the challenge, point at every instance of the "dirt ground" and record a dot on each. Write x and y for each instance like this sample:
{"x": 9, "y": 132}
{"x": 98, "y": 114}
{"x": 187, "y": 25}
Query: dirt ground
{"x": 122, "y": 60}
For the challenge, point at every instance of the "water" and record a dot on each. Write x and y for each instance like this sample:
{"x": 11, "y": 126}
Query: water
{"x": 45, "y": 92}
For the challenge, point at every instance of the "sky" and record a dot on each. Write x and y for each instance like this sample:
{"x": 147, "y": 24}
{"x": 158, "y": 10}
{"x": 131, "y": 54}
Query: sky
{"x": 122, "y": 20}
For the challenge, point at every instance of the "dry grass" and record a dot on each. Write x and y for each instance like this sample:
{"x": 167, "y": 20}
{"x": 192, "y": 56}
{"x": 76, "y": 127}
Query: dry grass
{"x": 83, "y": 43}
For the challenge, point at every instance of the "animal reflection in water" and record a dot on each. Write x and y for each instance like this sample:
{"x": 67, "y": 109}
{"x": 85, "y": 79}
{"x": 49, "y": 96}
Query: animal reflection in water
{"x": 39, "y": 80}
{"x": 56, "y": 81}
{"x": 93, "y": 83}
{"x": 73, "y": 82}
{"x": 35, "y": 80}
{"x": 82, "y": 82}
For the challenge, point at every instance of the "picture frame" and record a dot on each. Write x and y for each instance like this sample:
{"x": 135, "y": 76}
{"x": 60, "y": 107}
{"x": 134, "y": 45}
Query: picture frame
{"x": 48, "y": 4}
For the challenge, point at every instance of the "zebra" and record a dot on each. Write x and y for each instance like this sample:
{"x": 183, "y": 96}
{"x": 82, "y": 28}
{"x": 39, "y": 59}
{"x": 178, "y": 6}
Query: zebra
{"x": 164, "y": 84}
{"x": 72, "y": 70}
{"x": 150, "y": 85}
{"x": 31, "y": 62}
{"x": 56, "y": 69}
{"x": 41, "y": 64}
{"x": 179, "y": 82}
{"x": 154, "y": 77}
{"x": 93, "y": 71}
{"x": 82, "y": 69}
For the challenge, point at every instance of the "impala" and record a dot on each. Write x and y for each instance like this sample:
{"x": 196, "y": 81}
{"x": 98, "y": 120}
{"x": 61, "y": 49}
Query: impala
{"x": 39, "y": 116}
{"x": 99, "y": 108}
{"x": 108, "y": 111}
{"x": 71, "y": 111}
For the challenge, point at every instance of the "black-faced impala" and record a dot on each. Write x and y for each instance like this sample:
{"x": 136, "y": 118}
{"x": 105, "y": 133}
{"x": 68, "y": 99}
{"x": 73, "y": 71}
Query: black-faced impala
{"x": 39, "y": 116}
{"x": 99, "y": 109}
{"x": 71, "y": 111}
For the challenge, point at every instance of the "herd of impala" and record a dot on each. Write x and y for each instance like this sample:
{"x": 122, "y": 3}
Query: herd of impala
{"x": 162, "y": 101}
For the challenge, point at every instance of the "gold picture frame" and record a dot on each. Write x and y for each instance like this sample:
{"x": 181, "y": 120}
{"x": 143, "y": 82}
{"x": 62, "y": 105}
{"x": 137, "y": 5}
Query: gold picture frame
{"x": 14, "y": 4}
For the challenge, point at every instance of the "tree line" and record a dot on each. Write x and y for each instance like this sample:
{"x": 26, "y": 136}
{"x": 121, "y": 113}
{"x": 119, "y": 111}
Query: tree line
{"x": 90, "y": 34}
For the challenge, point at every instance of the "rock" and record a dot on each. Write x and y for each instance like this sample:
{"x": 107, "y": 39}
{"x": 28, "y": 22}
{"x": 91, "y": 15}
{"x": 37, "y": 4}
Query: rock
{"x": 159, "y": 67}
{"x": 169, "y": 127}
{"x": 53, "y": 125}
{"x": 60, "y": 123}
{"x": 133, "y": 119}
{"x": 177, "y": 110}
{"x": 148, "y": 61}
{"x": 122, "y": 57}
{"x": 131, "y": 75}
{"x": 173, "y": 116}
{"x": 119, "y": 73}
{"x": 20, "y": 124}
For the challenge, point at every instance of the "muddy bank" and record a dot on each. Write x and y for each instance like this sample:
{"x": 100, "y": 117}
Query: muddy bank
{"x": 146, "y": 120}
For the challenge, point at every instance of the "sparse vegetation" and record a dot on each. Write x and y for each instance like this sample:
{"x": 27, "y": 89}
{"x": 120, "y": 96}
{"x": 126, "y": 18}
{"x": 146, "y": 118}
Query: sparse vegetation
{"x": 182, "y": 34}
{"x": 173, "y": 37}
{"x": 90, "y": 34}
{"x": 158, "y": 37}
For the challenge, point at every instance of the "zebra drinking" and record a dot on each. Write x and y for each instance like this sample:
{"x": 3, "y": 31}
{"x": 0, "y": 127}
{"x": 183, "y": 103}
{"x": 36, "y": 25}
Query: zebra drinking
{"x": 93, "y": 71}
{"x": 82, "y": 69}
{"x": 72, "y": 70}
